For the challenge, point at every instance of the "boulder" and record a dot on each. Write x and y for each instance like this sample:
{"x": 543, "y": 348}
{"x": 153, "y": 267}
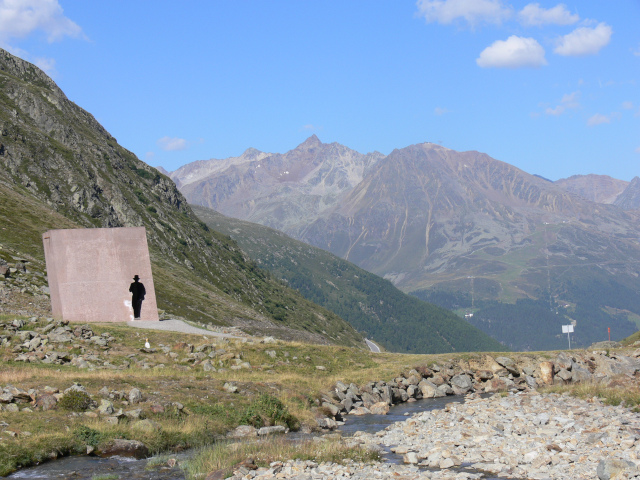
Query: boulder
{"x": 580, "y": 374}
{"x": 46, "y": 402}
{"x": 327, "y": 423}
{"x": 135, "y": 396}
{"x": 264, "y": 431}
{"x": 563, "y": 361}
{"x": 331, "y": 408}
{"x": 360, "y": 411}
{"x": 461, "y": 384}
{"x": 106, "y": 407}
{"x": 428, "y": 389}
{"x": 124, "y": 448}
{"x": 546, "y": 373}
{"x": 563, "y": 375}
{"x": 380, "y": 408}
{"x": 496, "y": 384}
{"x": 244, "y": 431}
{"x": 509, "y": 364}
{"x": 230, "y": 388}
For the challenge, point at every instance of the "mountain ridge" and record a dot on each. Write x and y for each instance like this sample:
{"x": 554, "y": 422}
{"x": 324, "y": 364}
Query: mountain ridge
{"x": 431, "y": 219}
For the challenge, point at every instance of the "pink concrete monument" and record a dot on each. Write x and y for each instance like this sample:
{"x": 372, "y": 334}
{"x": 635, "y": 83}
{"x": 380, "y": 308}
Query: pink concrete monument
{"x": 91, "y": 274}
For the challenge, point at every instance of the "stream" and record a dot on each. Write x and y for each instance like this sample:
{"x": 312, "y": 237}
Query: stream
{"x": 87, "y": 467}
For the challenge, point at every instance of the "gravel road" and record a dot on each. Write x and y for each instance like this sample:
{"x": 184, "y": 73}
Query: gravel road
{"x": 177, "y": 326}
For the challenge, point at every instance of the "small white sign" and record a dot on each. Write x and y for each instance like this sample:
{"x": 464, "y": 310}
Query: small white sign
{"x": 567, "y": 328}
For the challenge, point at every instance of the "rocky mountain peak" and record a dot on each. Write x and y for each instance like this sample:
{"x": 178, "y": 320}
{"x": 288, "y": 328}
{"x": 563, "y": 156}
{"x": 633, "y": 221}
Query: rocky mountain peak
{"x": 312, "y": 142}
{"x": 27, "y": 72}
{"x": 629, "y": 199}
{"x": 596, "y": 188}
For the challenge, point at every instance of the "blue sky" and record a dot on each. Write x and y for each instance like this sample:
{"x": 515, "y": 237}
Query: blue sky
{"x": 552, "y": 88}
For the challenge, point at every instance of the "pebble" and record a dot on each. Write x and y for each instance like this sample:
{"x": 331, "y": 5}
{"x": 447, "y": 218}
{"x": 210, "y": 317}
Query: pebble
{"x": 518, "y": 436}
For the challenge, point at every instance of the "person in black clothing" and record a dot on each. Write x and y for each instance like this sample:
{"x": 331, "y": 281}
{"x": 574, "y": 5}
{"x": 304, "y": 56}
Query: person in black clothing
{"x": 137, "y": 296}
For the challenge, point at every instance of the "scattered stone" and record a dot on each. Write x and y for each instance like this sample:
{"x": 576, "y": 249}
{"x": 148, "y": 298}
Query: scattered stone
{"x": 135, "y": 396}
{"x": 230, "y": 388}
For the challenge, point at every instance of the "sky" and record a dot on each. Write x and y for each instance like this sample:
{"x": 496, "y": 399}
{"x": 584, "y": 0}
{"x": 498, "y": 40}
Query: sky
{"x": 552, "y": 88}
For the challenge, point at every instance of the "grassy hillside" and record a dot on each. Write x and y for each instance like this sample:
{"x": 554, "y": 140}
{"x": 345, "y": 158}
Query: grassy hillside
{"x": 59, "y": 168}
{"x": 371, "y": 304}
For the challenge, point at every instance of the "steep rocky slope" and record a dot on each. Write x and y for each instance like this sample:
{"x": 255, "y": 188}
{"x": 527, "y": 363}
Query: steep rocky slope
{"x": 629, "y": 199}
{"x": 61, "y": 168}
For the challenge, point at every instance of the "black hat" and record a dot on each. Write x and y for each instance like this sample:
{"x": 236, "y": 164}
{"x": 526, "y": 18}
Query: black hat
{"x": 136, "y": 277}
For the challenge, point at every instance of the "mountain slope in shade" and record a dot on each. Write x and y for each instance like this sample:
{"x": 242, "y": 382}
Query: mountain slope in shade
{"x": 596, "y": 188}
{"x": 283, "y": 191}
{"x": 399, "y": 322}
{"x": 629, "y": 199}
{"x": 59, "y": 168}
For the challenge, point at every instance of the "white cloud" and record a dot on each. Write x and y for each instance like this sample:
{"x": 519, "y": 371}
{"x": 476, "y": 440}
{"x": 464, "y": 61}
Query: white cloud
{"x": 20, "y": 18}
{"x": 627, "y": 105}
{"x": 48, "y": 65}
{"x": 599, "y": 119}
{"x": 536, "y": 16}
{"x": 440, "y": 110}
{"x": 514, "y": 52}
{"x": 638, "y": 150}
{"x": 584, "y": 41}
{"x": 568, "y": 101}
{"x": 170, "y": 144}
{"x": 636, "y": 52}
{"x": 474, "y": 12}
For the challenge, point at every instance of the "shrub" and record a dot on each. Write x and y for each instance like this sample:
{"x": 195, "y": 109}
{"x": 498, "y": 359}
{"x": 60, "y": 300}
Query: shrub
{"x": 75, "y": 401}
{"x": 87, "y": 435}
{"x": 268, "y": 410}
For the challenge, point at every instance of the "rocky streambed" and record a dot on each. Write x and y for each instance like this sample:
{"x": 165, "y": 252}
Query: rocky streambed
{"x": 523, "y": 436}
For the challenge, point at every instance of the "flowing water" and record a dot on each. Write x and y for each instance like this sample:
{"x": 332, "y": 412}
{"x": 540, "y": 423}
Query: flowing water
{"x": 87, "y": 468}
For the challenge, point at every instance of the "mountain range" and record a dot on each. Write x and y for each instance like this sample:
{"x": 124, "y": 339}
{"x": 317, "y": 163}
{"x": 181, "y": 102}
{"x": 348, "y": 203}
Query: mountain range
{"x": 395, "y": 320}
{"x": 458, "y": 228}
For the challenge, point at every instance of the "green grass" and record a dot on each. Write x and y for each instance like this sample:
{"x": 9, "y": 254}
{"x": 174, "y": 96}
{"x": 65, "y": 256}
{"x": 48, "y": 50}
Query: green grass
{"x": 223, "y": 456}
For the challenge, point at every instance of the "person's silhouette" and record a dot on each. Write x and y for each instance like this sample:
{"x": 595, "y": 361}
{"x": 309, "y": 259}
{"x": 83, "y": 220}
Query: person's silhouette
{"x": 137, "y": 295}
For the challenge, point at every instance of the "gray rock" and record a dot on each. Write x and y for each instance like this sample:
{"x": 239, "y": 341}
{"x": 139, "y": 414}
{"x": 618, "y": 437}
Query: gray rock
{"x": 462, "y": 382}
{"x": 580, "y": 374}
{"x": 264, "y": 431}
{"x": 326, "y": 423}
{"x": 331, "y": 408}
{"x": 531, "y": 382}
{"x": 230, "y": 388}
{"x": 135, "y": 414}
{"x": 563, "y": 361}
{"x": 125, "y": 448}
{"x": 46, "y": 402}
{"x": 564, "y": 375}
{"x": 135, "y": 396}
{"x": 243, "y": 431}
{"x": 106, "y": 407}
{"x": 613, "y": 467}
{"x": 509, "y": 364}
{"x": 429, "y": 390}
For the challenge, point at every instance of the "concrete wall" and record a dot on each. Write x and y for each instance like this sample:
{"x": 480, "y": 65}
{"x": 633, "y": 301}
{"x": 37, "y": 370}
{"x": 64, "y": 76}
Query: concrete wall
{"x": 90, "y": 270}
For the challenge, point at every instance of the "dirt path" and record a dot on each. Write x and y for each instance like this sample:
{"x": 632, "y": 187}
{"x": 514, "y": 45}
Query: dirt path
{"x": 177, "y": 326}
